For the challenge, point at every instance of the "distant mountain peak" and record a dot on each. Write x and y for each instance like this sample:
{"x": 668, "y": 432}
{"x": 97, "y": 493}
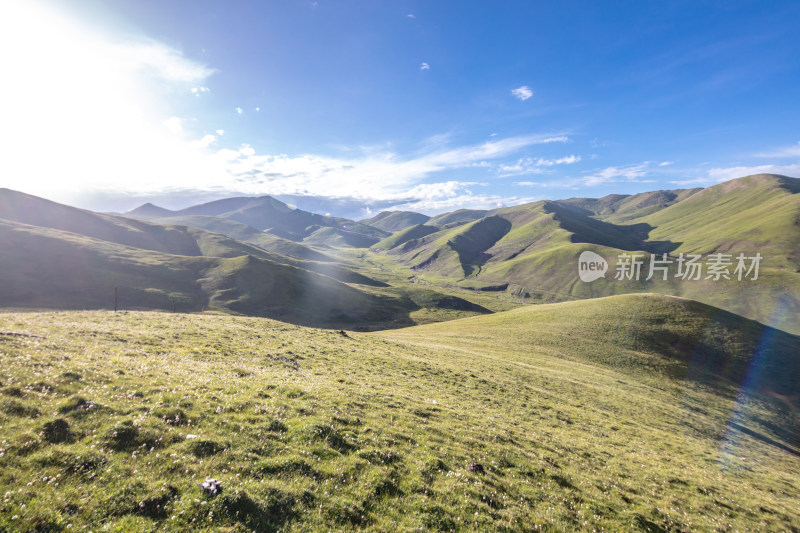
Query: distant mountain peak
{"x": 150, "y": 210}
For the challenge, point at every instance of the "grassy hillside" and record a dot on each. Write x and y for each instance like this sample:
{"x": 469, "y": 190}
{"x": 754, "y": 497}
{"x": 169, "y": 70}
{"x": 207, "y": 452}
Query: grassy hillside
{"x": 508, "y": 234}
{"x": 48, "y": 268}
{"x": 645, "y": 335}
{"x": 110, "y": 421}
{"x": 619, "y": 208}
{"x": 411, "y": 233}
{"x": 328, "y": 237}
{"x": 457, "y": 217}
{"x": 248, "y": 234}
{"x": 752, "y": 214}
{"x": 19, "y": 207}
{"x": 271, "y": 215}
{"x": 393, "y": 221}
{"x": 536, "y": 258}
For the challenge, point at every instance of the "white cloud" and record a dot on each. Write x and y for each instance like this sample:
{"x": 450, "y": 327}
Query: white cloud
{"x": 616, "y": 174}
{"x": 220, "y": 132}
{"x": 154, "y": 58}
{"x": 786, "y": 151}
{"x": 258, "y": 109}
{"x": 718, "y": 175}
{"x": 424, "y": 66}
{"x": 466, "y": 200}
{"x": 411, "y": 16}
{"x": 174, "y": 124}
{"x": 204, "y": 142}
{"x": 249, "y": 172}
{"x": 523, "y": 93}
{"x": 530, "y": 165}
{"x": 198, "y": 90}
{"x": 239, "y": 110}
{"x": 666, "y": 163}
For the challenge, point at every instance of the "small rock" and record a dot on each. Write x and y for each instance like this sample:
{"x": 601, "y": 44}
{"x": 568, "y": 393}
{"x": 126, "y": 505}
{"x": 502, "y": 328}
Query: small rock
{"x": 211, "y": 486}
{"x": 475, "y": 467}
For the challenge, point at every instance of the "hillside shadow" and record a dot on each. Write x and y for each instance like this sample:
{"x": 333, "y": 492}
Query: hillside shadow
{"x": 642, "y": 232}
{"x": 765, "y": 439}
{"x": 585, "y": 228}
{"x": 471, "y": 245}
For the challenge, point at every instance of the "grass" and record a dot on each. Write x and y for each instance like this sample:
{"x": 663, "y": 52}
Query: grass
{"x": 393, "y": 221}
{"x": 405, "y": 235}
{"x": 111, "y": 420}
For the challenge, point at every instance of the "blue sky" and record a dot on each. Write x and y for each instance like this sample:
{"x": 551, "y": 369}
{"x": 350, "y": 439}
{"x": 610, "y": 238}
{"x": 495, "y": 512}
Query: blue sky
{"x": 350, "y": 107}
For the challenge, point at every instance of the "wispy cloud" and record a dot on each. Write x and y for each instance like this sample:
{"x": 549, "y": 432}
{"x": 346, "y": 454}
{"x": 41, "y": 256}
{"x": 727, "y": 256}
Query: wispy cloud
{"x": 530, "y": 165}
{"x": 424, "y": 66}
{"x": 523, "y": 93}
{"x": 198, "y": 90}
{"x": 411, "y": 16}
{"x": 594, "y": 178}
{"x": 323, "y": 175}
{"x": 723, "y": 174}
{"x": 204, "y": 142}
{"x": 160, "y": 60}
{"x": 785, "y": 151}
{"x": 616, "y": 174}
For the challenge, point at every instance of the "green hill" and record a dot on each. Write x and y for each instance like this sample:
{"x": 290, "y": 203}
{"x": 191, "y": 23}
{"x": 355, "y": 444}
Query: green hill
{"x": 26, "y": 209}
{"x": 329, "y": 237}
{"x": 647, "y": 335}
{"x": 536, "y": 258}
{"x": 268, "y": 214}
{"x": 508, "y": 234}
{"x": 48, "y": 268}
{"x": 619, "y": 208}
{"x": 752, "y": 214}
{"x": 393, "y": 221}
{"x": 411, "y": 233}
{"x": 455, "y": 218}
{"x": 601, "y": 415}
{"x": 245, "y": 233}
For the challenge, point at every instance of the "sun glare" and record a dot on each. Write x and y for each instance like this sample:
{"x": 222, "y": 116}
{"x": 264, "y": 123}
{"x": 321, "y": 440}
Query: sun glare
{"x": 83, "y": 110}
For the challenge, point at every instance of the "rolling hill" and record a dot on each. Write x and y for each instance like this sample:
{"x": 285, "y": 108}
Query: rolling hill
{"x": 49, "y": 268}
{"x": 650, "y": 336}
{"x": 457, "y": 217}
{"x": 532, "y": 250}
{"x": 68, "y": 258}
{"x": 620, "y": 208}
{"x": 630, "y": 413}
{"x": 248, "y": 234}
{"x": 393, "y": 221}
{"x": 411, "y": 233}
{"x": 266, "y": 214}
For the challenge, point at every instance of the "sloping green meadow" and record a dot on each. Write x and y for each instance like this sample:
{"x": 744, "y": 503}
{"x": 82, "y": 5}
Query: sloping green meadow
{"x": 109, "y": 422}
